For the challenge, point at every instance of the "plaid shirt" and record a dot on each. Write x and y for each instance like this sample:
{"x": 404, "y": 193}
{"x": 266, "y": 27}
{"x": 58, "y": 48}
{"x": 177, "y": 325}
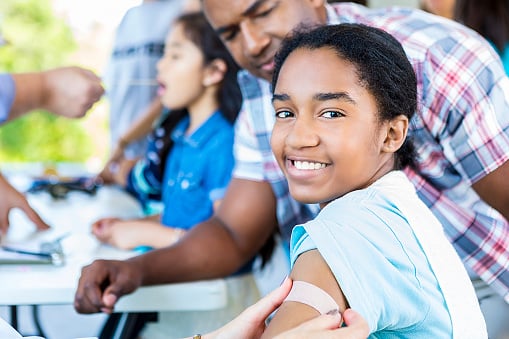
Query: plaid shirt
{"x": 461, "y": 132}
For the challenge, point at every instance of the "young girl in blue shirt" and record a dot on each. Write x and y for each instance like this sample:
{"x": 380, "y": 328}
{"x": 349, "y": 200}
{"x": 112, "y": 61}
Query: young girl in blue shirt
{"x": 190, "y": 157}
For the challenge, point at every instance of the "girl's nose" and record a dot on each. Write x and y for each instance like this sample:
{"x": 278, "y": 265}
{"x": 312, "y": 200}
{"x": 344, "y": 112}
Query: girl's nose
{"x": 302, "y": 134}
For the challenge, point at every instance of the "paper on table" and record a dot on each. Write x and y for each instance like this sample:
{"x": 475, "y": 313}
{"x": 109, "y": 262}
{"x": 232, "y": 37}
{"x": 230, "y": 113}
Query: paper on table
{"x": 16, "y": 258}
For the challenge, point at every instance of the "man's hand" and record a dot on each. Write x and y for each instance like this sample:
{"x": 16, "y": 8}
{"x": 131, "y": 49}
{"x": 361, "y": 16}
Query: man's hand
{"x": 103, "y": 282}
{"x": 70, "y": 91}
{"x": 10, "y": 198}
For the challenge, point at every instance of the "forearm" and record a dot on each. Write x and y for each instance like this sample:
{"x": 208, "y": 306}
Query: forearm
{"x": 157, "y": 235}
{"x": 207, "y": 251}
{"x": 494, "y": 189}
{"x": 221, "y": 245}
{"x": 29, "y": 94}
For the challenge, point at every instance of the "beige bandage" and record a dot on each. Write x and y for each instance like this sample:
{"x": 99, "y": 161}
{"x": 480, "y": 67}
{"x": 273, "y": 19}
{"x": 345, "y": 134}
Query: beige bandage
{"x": 311, "y": 295}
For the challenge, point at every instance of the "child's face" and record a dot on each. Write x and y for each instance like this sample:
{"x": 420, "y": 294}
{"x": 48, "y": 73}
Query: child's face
{"x": 326, "y": 139}
{"x": 180, "y": 71}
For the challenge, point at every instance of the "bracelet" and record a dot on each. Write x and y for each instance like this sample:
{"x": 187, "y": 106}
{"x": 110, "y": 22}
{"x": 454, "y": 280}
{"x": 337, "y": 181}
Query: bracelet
{"x": 197, "y": 336}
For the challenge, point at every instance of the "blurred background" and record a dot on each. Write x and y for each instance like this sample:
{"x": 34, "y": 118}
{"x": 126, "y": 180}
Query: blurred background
{"x": 43, "y": 34}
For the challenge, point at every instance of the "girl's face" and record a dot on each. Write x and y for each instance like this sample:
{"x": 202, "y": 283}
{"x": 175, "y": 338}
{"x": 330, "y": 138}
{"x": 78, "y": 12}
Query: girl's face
{"x": 180, "y": 71}
{"x": 326, "y": 139}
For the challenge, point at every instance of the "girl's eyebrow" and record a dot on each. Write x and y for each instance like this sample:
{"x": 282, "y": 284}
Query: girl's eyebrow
{"x": 318, "y": 97}
{"x": 344, "y": 96}
{"x": 280, "y": 97}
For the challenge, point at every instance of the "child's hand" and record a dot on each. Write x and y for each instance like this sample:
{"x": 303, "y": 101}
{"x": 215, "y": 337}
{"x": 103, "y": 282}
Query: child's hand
{"x": 102, "y": 229}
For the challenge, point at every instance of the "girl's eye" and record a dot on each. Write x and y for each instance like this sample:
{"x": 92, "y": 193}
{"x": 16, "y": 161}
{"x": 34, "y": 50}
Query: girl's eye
{"x": 284, "y": 114}
{"x": 332, "y": 114}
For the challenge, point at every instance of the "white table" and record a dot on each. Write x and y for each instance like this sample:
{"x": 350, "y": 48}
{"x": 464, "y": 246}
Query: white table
{"x": 47, "y": 284}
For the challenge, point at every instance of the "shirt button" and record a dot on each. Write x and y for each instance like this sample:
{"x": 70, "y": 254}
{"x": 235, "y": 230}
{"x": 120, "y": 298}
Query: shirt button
{"x": 184, "y": 184}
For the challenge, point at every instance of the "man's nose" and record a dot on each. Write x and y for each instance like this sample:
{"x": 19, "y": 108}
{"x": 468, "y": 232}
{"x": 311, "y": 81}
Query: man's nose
{"x": 255, "y": 40}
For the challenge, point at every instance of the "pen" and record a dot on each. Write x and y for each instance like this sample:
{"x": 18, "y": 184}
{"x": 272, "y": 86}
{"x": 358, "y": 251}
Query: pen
{"x": 19, "y": 251}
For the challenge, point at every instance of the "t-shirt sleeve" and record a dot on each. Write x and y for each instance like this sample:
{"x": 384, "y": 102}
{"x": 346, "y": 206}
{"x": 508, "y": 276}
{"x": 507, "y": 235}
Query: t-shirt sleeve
{"x": 363, "y": 271}
{"x": 7, "y": 93}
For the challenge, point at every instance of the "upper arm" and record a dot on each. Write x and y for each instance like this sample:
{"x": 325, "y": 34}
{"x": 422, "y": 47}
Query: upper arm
{"x": 248, "y": 211}
{"x": 494, "y": 189}
{"x": 312, "y": 268}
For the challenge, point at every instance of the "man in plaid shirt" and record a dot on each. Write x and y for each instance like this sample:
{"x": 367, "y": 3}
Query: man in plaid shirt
{"x": 461, "y": 132}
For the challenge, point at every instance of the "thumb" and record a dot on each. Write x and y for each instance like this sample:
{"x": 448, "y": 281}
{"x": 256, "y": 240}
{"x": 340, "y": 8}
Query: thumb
{"x": 273, "y": 300}
{"x": 356, "y": 324}
{"x": 327, "y": 321}
{"x": 109, "y": 299}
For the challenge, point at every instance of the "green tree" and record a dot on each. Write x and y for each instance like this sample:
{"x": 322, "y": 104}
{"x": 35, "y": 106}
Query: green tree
{"x": 38, "y": 40}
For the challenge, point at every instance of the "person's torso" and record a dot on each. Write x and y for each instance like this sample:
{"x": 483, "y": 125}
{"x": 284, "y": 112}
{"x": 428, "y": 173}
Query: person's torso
{"x": 197, "y": 165}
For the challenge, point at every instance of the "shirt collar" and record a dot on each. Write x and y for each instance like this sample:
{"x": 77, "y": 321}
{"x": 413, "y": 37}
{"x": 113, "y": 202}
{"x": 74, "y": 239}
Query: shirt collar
{"x": 202, "y": 134}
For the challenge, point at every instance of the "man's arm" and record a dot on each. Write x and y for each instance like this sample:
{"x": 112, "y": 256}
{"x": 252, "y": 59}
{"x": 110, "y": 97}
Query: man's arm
{"x": 212, "y": 249}
{"x": 69, "y": 92}
{"x": 66, "y": 91}
{"x": 494, "y": 189}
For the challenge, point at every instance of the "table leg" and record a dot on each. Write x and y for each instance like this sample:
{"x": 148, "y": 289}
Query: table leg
{"x": 14, "y": 316}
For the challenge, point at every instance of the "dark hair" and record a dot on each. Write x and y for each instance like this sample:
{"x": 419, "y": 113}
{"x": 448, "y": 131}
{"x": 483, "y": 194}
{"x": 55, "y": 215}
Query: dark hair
{"x": 489, "y": 18}
{"x": 381, "y": 66}
{"x": 198, "y": 30}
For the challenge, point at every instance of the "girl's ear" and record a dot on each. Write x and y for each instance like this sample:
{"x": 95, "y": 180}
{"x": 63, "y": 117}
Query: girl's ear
{"x": 214, "y": 72}
{"x": 397, "y": 130}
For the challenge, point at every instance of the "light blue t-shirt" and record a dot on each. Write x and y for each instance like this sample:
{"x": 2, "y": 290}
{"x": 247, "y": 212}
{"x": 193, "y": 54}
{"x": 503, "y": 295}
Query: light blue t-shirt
{"x": 7, "y": 93}
{"x": 378, "y": 262}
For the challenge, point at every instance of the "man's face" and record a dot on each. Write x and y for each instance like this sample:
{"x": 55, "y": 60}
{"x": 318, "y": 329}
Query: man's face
{"x": 252, "y": 30}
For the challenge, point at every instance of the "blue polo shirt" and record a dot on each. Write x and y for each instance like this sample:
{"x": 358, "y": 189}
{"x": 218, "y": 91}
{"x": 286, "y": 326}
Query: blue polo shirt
{"x": 198, "y": 170}
{"x": 7, "y": 93}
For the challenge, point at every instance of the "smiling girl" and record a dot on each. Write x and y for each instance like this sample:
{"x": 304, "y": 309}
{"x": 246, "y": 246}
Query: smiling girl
{"x": 340, "y": 138}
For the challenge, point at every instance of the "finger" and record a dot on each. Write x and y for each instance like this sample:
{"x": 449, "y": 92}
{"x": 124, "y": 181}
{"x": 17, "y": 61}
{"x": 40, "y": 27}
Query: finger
{"x": 4, "y": 225}
{"x": 323, "y": 322}
{"x": 271, "y": 301}
{"x": 357, "y": 326}
{"x": 120, "y": 283}
{"x": 89, "y": 293}
{"x": 34, "y": 217}
{"x": 109, "y": 300}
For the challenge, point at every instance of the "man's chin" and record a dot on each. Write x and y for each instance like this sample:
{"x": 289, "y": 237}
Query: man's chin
{"x": 263, "y": 74}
